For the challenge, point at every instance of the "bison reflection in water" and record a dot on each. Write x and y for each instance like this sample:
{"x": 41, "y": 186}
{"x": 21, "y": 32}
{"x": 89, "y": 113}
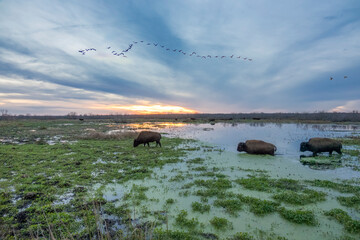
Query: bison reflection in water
{"x": 145, "y": 137}
{"x": 257, "y": 147}
{"x": 318, "y": 145}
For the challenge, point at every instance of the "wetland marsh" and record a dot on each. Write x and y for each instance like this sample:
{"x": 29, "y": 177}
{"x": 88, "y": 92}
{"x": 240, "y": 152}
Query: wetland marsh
{"x": 84, "y": 180}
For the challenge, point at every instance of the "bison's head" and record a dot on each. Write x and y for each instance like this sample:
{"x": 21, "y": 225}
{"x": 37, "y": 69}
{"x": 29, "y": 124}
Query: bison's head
{"x": 241, "y": 147}
{"x": 136, "y": 143}
{"x": 304, "y": 146}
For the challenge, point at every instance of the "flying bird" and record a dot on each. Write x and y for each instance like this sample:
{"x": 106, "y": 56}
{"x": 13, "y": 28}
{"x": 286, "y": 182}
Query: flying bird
{"x": 345, "y": 76}
{"x": 331, "y": 78}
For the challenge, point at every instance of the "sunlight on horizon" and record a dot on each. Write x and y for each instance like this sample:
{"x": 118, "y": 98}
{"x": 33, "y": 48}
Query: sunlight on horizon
{"x": 154, "y": 109}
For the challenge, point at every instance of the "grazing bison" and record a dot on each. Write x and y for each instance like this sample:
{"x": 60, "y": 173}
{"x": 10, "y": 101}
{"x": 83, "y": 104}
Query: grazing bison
{"x": 257, "y": 147}
{"x": 147, "y": 136}
{"x": 317, "y": 145}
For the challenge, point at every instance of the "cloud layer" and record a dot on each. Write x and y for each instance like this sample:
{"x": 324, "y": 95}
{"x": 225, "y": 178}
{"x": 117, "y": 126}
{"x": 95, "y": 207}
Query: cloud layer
{"x": 295, "y": 47}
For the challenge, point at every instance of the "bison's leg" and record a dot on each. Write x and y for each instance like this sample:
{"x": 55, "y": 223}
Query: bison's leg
{"x": 338, "y": 151}
{"x": 148, "y": 144}
{"x": 158, "y": 142}
{"x": 314, "y": 154}
{"x": 330, "y": 152}
{"x": 144, "y": 144}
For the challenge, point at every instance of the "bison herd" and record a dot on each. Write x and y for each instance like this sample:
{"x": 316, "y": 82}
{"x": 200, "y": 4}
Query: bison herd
{"x": 314, "y": 145}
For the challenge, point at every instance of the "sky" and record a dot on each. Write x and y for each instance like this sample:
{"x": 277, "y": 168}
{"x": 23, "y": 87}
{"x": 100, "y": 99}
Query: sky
{"x": 295, "y": 47}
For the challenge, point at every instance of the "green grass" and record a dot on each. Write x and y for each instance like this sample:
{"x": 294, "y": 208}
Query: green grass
{"x": 341, "y": 187}
{"x": 353, "y": 201}
{"x": 259, "y": 207}
{"x": 232, "y": 206}
{"x": 200, "y": 207}
{"x": 220, "y": 223}
{"x": 214, "y": 184}
{"x": 298, "y": 216}
{"x": 350, "y": 225}
{"x": 38, "y": 175}
{"x": 196, "y": 161}
{"x": 307, "y": 197}
{"x": 182, "y": 220}
{"x": 241, "y": 236}
{"x": 170, "y": 201}
{"x": 265, "y": 184}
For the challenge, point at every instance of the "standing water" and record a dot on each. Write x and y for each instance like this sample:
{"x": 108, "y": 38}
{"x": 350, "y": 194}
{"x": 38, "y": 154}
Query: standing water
{"x": 222, "y": 192}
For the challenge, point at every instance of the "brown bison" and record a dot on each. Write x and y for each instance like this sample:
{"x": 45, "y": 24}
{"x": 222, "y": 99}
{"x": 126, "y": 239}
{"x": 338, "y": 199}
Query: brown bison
{"x": 147, "y": 136}
{"x": 317, "y": 145}
{"x": 257, "y": 147}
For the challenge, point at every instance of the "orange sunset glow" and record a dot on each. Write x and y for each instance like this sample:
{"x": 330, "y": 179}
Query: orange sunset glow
{"x": 154, "y": 109}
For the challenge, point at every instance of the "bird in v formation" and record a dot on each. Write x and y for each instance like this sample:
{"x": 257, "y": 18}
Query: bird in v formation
{"x": 122, "y": 53}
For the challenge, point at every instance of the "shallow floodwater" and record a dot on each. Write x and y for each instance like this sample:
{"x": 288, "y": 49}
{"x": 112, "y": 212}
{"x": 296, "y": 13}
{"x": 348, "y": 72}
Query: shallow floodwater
{"x": 217, "y": 145}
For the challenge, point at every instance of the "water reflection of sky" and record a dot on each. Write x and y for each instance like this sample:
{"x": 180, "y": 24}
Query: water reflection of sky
{"x": 287, "y": 137}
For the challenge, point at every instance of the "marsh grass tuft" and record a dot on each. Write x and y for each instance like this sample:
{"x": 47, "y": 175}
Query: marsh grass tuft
{"x": 182, "y": 220}
{"x": 220, "y": 223}
{"x": 200, "y": 207}
{"x": 232, "y": 206}
{"x": 341, "y": 187}
{"x": 353, "y": 201}
{"x": 259, "y": 207}
{"x": 308, "y": 196}
{"x": 241, "y": 236}
{"x": 298, "y": 216}
{"x": 265, "y": 184}
{"x": 350, "y": 225}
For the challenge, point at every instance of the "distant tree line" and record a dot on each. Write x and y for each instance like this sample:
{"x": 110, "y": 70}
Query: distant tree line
{"x": 304, "y": 116}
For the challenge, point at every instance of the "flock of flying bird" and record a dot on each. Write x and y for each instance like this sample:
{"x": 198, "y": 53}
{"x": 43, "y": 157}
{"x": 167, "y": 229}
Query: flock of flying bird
{"x": 179, "y": 51}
